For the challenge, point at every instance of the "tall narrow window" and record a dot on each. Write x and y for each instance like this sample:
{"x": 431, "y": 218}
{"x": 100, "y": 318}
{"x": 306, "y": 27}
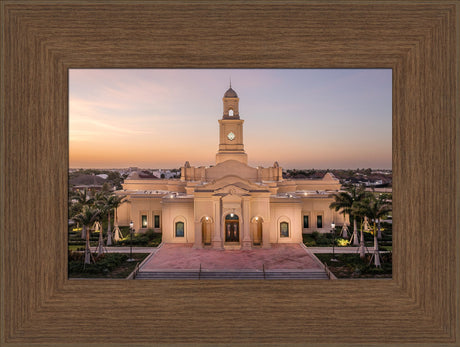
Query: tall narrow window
{"x": 319, "y": 221}
{"x": 305, "y": 222}
{"x": 284, "y": 229}
{"x": 180, "y": 229}
{"x": 156, "y": 222}
{"x": 144, "y": 221}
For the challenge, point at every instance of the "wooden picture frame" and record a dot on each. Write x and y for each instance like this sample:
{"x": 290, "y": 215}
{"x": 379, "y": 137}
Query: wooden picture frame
{"x": 41, "y": 40}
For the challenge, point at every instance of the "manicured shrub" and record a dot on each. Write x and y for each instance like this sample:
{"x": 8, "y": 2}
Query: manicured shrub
{"x": 104, "y": 263}
{"x": 150, "y": 233}
{"x": 342, "y": 242}
{"x": 311, "y": 243}
{"x": 323, "y": 241}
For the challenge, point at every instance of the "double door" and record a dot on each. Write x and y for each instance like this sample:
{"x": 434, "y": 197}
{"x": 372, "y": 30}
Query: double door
{"x": 232, "y": 232}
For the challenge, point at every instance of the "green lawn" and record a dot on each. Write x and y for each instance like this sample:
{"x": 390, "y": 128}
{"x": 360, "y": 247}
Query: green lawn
{"x": 316, "y": 239}
{"x": 352, "y": 266}
{"x": 147, "y": 239}
{"x": 76, "y": 248}
{"x": 108, "y": 265}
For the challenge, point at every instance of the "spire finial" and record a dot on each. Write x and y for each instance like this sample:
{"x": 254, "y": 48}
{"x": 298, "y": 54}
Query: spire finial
{"x": 230, "y": 81}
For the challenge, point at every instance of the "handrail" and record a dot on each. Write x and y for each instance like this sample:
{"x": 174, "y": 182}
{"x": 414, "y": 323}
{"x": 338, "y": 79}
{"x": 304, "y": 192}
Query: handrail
{"x": 136, "y": 270}
{"x": 328, "y": 272}
{"x": 133, "y": 274}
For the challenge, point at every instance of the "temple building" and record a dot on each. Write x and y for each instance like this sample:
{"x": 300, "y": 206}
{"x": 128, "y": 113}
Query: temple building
{"x": 230, "y": 205}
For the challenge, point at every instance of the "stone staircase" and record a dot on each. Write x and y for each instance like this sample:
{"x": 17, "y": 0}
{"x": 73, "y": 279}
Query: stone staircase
{"x": 316, "y": 274}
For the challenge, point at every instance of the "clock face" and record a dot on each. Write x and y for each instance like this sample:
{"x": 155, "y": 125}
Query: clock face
{"x": 231, "y": 136}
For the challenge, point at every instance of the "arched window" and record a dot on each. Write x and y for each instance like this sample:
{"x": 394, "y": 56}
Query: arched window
{"x": 284, "y": 229}
{"x": 230, "y": 113}
{"x": 231, "y": 216}
{"x": 179, "y": 229}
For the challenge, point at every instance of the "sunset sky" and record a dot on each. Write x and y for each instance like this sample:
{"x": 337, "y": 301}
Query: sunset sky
{"x": 161, "y": 118}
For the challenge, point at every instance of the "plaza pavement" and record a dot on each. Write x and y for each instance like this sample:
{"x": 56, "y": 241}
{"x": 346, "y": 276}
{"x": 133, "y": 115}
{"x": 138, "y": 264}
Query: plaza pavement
{"x": 281, "y": 261}
{"x": 278, "y": 257}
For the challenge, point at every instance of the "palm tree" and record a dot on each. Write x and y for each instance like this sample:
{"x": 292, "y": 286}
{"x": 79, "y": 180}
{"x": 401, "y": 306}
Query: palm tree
{"x": 100, "y": 203}
{"x": 374, "y": 209}
{"x": 86, "y": 218}
{"x": 345, "y": 202}
{"x": 79, "y": 199}
{"x": 384, "y": 199}
{"x": 82, "y": 197}
{"x": 110, "y": 202}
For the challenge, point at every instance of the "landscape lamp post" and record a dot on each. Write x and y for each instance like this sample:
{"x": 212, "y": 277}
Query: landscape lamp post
{"x": 333, "y": 241}
{"x": 131, "y": 229}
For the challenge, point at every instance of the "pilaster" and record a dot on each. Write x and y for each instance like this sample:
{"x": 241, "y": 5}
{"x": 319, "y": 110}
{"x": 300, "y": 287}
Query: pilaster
{"x": 216, "y": 238}
{"x": 246, "y": 243}
{"x": 198, "y": 236}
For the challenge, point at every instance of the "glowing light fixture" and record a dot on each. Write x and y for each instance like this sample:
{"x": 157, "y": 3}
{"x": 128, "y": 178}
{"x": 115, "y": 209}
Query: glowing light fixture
{"x": 131, "y": 229}
{"x": 333, "y": 242}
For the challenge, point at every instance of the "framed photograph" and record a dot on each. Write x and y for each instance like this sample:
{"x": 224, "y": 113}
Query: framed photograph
{"x": 42, "y": 40}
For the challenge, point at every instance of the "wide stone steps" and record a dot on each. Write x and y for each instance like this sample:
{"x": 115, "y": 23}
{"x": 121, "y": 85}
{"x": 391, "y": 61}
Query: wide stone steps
{"x": 234, "y": 275}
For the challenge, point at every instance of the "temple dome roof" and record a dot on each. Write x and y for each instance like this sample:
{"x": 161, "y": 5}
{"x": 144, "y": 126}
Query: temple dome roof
{"x": 230, "y": 93}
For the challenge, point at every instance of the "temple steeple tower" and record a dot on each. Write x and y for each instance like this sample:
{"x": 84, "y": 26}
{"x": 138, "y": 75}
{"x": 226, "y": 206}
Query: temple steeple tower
{"x": 231, "y": 130}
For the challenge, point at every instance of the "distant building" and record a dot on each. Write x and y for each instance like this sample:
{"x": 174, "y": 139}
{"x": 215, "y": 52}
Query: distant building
{"x": 90, "y": 183}
{"x": 230, "y": 204}
{"x": 164, "y": 174}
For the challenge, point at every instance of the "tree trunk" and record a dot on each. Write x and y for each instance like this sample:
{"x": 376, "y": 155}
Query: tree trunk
{"x": 83, "y": 232}
{"x": 355, "y": 232}
{"x": 376, "y": 250}
{"x": 109, "y": 231}
{"x": 344, "y": 232}
{"x": 100, "y": 244}
{"x": 362, "y": 252}
{"x": 379, "y": 233}
{"x": 87, "y": 249}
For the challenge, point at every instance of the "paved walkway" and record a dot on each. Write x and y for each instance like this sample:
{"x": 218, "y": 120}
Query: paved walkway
{"x": 126, "y": 249}
{"x": 339, "y": 250}
{"x": 279, "y": 257}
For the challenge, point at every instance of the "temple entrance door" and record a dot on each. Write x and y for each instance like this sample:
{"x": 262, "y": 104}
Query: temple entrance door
{"x": 232, "y": 233}
{"x": 232, "y": 228}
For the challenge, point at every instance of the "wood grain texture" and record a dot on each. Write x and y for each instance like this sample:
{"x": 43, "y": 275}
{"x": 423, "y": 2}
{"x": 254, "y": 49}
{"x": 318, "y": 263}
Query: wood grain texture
{"x": 41, "y": 40}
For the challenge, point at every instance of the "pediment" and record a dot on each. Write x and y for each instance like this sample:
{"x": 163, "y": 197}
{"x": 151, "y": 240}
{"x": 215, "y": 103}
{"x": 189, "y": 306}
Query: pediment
{"x": 232, "y": 189}
{"x": 234, "y": 181}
